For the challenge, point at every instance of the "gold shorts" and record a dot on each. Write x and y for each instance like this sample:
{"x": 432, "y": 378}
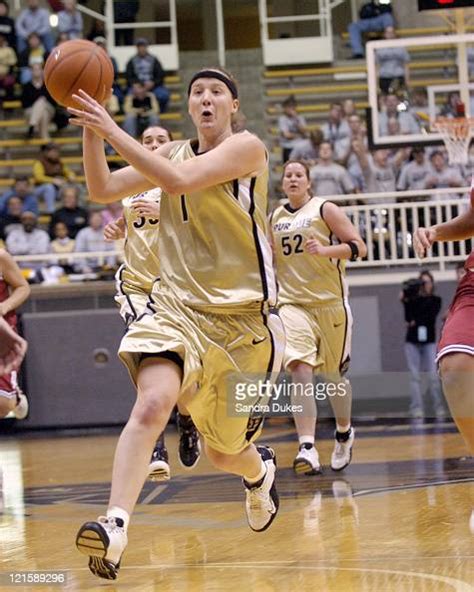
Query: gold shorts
{"x": 318, "y": 336}
{"x": 215, "y": 348}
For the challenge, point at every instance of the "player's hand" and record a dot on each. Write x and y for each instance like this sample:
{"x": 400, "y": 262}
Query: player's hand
{"x": 150, "y": 209}
{"x": 92, "y": 114}
{"x": 422, "y": 241}
{"x": 314, "y": 247}
{"x": 115, "y": 230}
{"x": 12, "y": 348}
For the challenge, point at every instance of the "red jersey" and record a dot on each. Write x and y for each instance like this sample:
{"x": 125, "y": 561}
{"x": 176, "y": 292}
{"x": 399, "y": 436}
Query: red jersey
{"x": 4, "y": 294}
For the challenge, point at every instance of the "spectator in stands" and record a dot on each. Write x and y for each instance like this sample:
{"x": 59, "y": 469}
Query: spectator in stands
{"x": 413, "y": 174}
{"x": 442, "y": 175}
{"x": 116, "y": 88}
{"x": 343, "y": 146}
{"x": 70, "y": 20}
{"x": 308, "y": 150}
{"x": 71, "y": 213}
{"x": 327, "y": 177}
{"x": 33, "y": 19}
{"x": 392, "y": 65}
{"x": 419, "y": 107}
{"x": 34, "y": 53}
{"x": 63, "y": 244}
{"x": 344, "y": 153}
{"x": 349, "y": 108}
{"x": 7, "y": 62}
{"x": 374, "y": 16}
{"x": 11, "y": 217}
{"x": 28, "y": 240}
{"x": 125, "y": 11}
{"x": 291, "y": 126}
{"x": 379, "y": 173}
{"x": 144, "y": 68}
{"x": 395, "y": 109}
{"x": 50, "y": 174}
{"x": 336, "y": 127}
{"x": 22, "y": 189}
{"x": 7, "y": 24}
{"x": 451, "y": 107}
{"x": 90, "y": 240}
{"x": 39, "y": 106}
{"x": 141, "y": 111}
{"x": 97, "y": 30}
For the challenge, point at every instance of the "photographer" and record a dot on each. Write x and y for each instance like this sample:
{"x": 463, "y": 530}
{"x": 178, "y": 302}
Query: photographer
{"x": 422, "y": 307}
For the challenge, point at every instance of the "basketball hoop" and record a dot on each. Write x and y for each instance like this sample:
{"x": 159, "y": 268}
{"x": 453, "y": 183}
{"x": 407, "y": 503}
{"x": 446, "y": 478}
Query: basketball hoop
{"x": 457, "y": 133}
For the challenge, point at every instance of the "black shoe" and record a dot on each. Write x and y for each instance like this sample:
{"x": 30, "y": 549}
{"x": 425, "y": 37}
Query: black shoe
{"x": 262, "y": 502}
{"x": 159, "y": 468}
{"x": 357, "y": 56}
{"x": 189, "y": 444}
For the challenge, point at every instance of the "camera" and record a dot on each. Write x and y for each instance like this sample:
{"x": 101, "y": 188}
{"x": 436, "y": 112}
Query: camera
{"x": 411, "y": 288}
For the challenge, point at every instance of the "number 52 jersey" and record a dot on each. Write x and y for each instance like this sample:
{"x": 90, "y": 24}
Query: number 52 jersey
{"x": 304, "y": 278}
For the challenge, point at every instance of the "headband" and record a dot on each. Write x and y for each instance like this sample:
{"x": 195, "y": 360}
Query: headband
{"x": 219, "y": 76}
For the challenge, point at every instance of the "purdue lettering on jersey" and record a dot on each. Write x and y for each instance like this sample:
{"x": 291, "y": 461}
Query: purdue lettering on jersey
{"x": 141, "y": 265}
{"x": 304, "y": 278}
{"x": 214, "y": 251}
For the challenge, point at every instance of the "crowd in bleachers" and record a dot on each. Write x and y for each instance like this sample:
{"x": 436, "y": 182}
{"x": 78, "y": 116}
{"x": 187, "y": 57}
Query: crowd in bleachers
{"x": 341, "y": 162}
{"x": 41, "y": 213}
{"x": 25, "y": 44}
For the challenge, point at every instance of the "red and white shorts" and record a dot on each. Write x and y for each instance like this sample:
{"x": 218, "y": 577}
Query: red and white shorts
{"x": 8, "y": 385}
{"x": 458, "y": 331}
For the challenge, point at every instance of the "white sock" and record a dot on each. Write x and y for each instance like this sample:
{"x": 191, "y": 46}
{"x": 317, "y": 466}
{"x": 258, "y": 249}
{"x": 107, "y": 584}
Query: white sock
{"x": 263, "y": 470}
{"x": 306, "y": 440}
{"x": 116, "y": 512}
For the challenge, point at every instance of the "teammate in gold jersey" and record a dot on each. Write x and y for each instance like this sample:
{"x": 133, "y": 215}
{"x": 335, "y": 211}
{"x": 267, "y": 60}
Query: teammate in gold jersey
{"x": 312, "y": 239}
{"x": 139, "y": 225}
{"x": 211, "y": 326}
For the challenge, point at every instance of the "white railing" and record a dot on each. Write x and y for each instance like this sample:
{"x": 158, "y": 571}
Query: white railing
{"x": 386, "y": 225}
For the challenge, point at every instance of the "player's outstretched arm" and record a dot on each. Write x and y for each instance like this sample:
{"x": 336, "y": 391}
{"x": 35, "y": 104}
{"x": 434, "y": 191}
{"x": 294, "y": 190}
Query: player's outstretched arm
{"x": 237, "y": 156}
{"x": 459, "y": 228}
{"x": 12, "y": 348}
{"x": 340, "y": 225}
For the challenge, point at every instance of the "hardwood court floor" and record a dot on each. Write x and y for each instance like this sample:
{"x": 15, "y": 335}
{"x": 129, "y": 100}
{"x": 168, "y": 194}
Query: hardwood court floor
{"x": 396, "y": 520}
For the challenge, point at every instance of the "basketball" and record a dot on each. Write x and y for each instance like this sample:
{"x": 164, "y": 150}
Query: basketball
{"x": 78, "y": 64}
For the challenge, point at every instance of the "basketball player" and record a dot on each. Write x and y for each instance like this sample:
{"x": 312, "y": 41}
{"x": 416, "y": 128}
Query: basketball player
{"x": 135, "y": 278}
{"x": 14, "y": 291}
{"x": 211, "y": 318}
{"x": 456, "y": 346}
{"x": 314, "y": 308}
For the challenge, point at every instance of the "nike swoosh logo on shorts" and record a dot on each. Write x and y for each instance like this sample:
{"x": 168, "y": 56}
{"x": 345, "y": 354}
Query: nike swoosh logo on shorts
{"x": 257, "y": 341}
{"x": 338, "y": 324}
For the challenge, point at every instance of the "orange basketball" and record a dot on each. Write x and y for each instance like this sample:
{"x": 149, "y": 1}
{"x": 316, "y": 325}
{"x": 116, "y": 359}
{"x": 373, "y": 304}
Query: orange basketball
{"x": 78, "y": 64}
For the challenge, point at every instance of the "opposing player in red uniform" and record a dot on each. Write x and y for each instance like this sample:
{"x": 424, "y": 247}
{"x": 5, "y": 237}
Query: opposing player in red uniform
{"x": 14, "y": 290}
{"x": 456, "y": 346}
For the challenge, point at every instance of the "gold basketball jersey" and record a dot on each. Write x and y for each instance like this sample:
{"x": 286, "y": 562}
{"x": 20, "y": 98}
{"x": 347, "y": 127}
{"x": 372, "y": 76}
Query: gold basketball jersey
{"x": 304, "y": 278}
{"x": 214, "y": 250}
{"x": 141, "y": 266}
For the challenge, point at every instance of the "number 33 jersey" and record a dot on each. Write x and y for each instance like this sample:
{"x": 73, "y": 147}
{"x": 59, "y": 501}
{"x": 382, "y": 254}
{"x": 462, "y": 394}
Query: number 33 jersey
{"x": 304, "y": 278}
{"x": 141, "y": 266}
